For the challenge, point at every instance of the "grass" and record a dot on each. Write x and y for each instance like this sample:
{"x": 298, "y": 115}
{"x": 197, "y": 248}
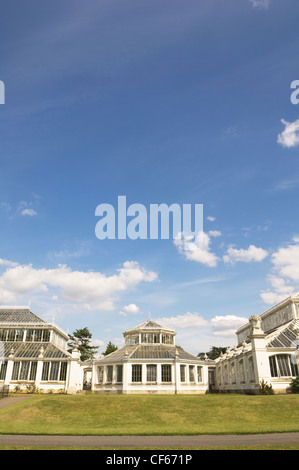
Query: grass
{"x": 151, "y": 415}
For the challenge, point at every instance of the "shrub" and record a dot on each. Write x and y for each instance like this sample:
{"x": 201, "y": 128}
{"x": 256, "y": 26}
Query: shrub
{"x": 266, "y": 389}
{"x": 294, "y": 386}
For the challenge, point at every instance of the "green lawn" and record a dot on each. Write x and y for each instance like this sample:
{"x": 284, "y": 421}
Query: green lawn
{"x": 149, "y": 415}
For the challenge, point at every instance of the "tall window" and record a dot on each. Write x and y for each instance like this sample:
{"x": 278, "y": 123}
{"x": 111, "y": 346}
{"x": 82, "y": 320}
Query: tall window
{"x": 225, "y": 374}
{"x": 283, "y": 365}
{"x": 233, "y": 372}
{"x": 100, "y": 374}
{"x": 241, "y": 371}
{"x": 151, "y": 373}
{"x": 3, "y": 334}
{"x": 45, "y": 372}
{"x": 132, "y": 339}
{"x": 15, "y": 371}
{"x": 19, "y": 335}
{"x": 166, "y": 373}
{"x": 11, "y": 335}
{"x": 119, "y": 374}
{"x": 183, "y": 373}
{"x": 251, "y": 369}
{"x": 33, "y": 370}
{"x": 3, "y": 368}
{"x": 109, "y": 374}
{"x": 54, "y": 371}
{"x": 63, "y": 371}
{"x": 199, "y": 374}
{"x": 46, "y": 336}
{"x": 167, "y": 339}
{"x": 24, "y": 370}
{"x": 191, "y": 374}
{"x": 136, "y": 373}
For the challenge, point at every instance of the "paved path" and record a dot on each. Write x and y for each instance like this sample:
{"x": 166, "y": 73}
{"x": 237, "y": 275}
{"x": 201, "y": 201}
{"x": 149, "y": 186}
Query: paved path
{"x": 150, "y": 442}
{"x": 7, "y": 401}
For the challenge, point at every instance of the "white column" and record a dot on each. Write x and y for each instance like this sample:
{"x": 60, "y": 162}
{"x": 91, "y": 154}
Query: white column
{"x": 39, "y": 368}
{"x": 259, "y": 353}
{"x": 177, "y": 376}
{"x": 9, "y": 368}
{"x": 159, "y": 374}
{"x": 144, "y": 375}
{"x": 75, "y": 373}
{"x": 126, "y": 374}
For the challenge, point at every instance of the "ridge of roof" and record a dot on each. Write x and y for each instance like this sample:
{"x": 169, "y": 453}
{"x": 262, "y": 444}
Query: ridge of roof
{"x": 149, "y": 325}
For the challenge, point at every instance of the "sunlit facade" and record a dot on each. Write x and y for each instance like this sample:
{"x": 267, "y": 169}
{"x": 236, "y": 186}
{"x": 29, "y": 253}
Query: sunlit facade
{"x": 266, "y": 351}
{"x": 34, "y": 356}
{"x": 150, "y": 362}
{"x": 33, "y": 353}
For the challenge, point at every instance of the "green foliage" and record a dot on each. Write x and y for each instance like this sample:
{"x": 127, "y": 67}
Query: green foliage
{"x": 82, "y": 337}
{"x": 265, "y": 389}
{"x": 294, "y": 386}
{"x": 214, "y": 352}
{"x": 110, "y": 348}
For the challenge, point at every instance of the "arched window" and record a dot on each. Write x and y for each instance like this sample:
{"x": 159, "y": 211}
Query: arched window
{"x": 283, "y": 365}
{"x": 251, "y": 369}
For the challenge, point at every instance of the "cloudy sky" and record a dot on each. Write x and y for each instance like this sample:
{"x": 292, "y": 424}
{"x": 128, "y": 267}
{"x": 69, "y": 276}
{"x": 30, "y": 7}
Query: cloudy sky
{"x": 162, "y": 102}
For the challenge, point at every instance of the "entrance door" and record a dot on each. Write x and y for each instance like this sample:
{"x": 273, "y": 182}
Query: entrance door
{"x": 87, "y": 379}
{"x": 211, "y": 373}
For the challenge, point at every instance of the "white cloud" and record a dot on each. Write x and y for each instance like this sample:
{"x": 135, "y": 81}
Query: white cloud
{"x": 226, "y": 325}
{"x": 68, "y": 252}
{"x": 290, "y": 136}
{"x": 94, "y": 290}
{"x": 131, "y": 309}
{"x": 30, "y": 212}
{"x": 188, "y": 320}
{"x": 198, "y": 250}
{"x": 280, "y": 291}
{"x": 97, "y": 343}
{"x": 286, "y": 260}
{"x": 285, "y": 269}
{"x": 263, "y": 4}
{"x": 252, "y": 253}
{"x": 215, "y": 233}
{"x": 6, "y": 206}
{"x": 211, "y": 219}
{"x": 6, "y": 262}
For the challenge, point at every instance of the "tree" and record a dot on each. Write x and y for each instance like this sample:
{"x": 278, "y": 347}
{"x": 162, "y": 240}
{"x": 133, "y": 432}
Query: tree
{"x": 109, "y": 349}
{"x": 214, "y": 352}
{"x": 82, "y": 337}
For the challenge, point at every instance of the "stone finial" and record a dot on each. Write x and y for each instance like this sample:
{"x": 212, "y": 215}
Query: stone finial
{"x": 256, "y": 323}
{"x": 75, "y": 352}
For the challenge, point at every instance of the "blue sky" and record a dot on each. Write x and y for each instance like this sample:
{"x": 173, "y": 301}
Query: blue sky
{"x": 163, "y": 102}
